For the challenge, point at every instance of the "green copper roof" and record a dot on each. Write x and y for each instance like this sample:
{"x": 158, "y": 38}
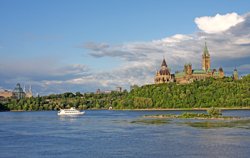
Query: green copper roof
{"x": 180, "y": 74}
{"x": 216, "y": 73}
{"x": 18, "y": 89}
{"x": 205, "y": 51}
{"x": 199, "y": 71}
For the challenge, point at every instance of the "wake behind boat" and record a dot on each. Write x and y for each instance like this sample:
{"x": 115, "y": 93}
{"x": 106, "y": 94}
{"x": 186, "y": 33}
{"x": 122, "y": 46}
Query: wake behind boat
{"x": 71, "y": 111}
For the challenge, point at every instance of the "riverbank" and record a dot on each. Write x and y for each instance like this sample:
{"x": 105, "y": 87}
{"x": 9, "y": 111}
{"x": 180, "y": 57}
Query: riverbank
{"x": 185, "y": 109}
{"x": 153, "y": 109}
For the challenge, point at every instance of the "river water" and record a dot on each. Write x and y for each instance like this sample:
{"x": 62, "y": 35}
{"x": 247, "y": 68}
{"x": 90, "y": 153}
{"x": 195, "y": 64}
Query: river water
{"x": 107, "y": 134}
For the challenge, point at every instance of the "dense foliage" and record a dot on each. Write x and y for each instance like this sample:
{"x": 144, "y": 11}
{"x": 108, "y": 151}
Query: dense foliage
{"x": 199, "y": 94}
{"x": 65, "y": 100}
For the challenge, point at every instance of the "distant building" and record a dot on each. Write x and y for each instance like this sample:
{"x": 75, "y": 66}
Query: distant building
{"x": 164, "y": 76}
{"x": 5, "y": 94}
{"x": 29, "y": 93}
{"x": 107, "y": 92}
{"x": 188, "y": 74}
{"x": 235, "y": 74}
{"x": 18, "y": 92}
{"x": 98, "y": 91}
{"x": 119, "y": 89}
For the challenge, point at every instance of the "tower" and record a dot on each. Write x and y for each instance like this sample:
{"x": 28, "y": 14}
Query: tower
{"x": 235, "y": 74}
{"x": 205, "y": 59}
{"x": 221, "y": 72}
{"x": 188, "y": 69}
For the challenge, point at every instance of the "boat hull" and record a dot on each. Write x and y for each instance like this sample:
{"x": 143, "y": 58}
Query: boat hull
{"x": 67, "y": 114}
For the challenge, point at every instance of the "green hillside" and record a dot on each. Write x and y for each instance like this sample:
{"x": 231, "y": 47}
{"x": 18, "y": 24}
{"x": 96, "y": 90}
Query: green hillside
{"x": 199, "y": 94}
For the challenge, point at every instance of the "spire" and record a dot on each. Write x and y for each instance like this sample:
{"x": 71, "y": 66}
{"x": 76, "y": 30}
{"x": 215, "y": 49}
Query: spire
{"x": 220, "y": 69}
{"x": 205, "y": 51}
{"x": 164, "y": 63}
{"x": 235, "y": 68}
{"x": 30, "y": 90}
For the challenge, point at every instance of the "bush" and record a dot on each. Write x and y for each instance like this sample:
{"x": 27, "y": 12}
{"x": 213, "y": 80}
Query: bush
{"x": 214, "y": 111}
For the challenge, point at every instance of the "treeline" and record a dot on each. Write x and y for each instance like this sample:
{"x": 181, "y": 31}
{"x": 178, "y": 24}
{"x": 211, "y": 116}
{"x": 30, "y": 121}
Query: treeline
{"x": 60, "y": 101}
{"x": 199, "y": 94}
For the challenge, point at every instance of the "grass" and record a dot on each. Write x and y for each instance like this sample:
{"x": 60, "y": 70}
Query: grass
{"x": 150, "y": 121}
{"x": 245, "y": 124}
{"x": 188, "y": 115}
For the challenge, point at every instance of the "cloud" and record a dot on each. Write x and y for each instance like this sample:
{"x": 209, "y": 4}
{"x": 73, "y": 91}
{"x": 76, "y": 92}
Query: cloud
{"x": 176, "y": 39}
{"x": 138, "y": 61}
{"x": 131, "y": 51}
{"x": 218, "y": 23}
{"x": 124, "y": 76}
{"x": 75, "y": 69}
{"x": 40, "y": 73}
{"x": 95, "y": 46}
{"x": 243, "y": 41}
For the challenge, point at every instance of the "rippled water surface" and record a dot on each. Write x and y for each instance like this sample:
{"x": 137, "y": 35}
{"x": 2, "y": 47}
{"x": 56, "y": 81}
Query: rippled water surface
{"x": 108, "y": 134}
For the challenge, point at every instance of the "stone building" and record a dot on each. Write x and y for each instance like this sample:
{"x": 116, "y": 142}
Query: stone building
{"x": 18, "y": 92}
{"x": 118, "y": 89}
{"x": 5, "y": 94}
{"x": 29, "y": 93}
{"x": 189, "y": 74}
{"x": 164, "y": 75}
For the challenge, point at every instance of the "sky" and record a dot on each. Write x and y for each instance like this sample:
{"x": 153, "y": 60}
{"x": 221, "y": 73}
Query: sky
{"x": 82, "y": 45}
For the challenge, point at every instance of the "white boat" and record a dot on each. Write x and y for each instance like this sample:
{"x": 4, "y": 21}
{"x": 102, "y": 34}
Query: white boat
{"x": 71, "y": 111}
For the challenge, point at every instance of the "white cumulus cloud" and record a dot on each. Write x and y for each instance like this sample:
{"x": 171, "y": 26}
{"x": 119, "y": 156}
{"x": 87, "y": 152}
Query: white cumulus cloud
{"x": 176, "y": 38}
{"x": 218, "y": 23}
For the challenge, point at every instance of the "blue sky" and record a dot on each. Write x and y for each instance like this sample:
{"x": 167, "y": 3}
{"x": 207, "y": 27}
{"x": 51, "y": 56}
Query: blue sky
{"x": 59, "y": 46}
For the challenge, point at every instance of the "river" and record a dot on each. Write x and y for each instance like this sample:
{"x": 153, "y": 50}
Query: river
{"x": 107, "y": 134}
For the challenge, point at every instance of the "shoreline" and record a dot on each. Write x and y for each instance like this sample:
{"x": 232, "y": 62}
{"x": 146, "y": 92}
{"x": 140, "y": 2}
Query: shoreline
{"x": 153, "y": 109}
{"x": 182, "y": 109}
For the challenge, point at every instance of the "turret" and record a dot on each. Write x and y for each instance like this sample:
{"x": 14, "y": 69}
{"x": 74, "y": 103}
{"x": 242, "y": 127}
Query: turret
{"x": 235, "y": 74}
{"x": 221, "y": 72}
{"x": 188, "y": 69}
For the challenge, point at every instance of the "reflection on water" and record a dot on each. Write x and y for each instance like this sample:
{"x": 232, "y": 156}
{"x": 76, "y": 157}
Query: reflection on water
{"x": 70, "y": 118}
